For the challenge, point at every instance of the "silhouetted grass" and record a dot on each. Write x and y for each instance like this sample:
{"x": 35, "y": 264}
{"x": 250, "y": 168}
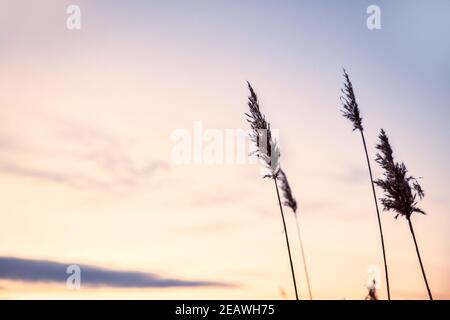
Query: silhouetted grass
{"x": 401, "y": 190}
{"x": 267, "y": 150}
{"x": 350, "y": 110}
{"x": 290, "y": 202}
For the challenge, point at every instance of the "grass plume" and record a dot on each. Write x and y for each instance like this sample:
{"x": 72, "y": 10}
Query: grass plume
{"x": 267, "y": 150}
{"x": 350, "y": 110}
{"x": 401, "y": 191}
{"x": 261, "y": 135}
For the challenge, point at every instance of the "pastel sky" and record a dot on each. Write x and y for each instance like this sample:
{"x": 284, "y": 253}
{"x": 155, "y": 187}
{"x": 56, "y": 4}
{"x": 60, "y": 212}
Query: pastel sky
{"x": 87, "y": 178}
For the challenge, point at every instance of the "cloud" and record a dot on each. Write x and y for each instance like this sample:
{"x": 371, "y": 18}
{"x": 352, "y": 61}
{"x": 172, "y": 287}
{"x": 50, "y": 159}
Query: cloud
{"x": 28, "y": 270}
{"x": 34, "y": 173}
{"x": 81, "y": 180}
{"x": 86, "y": 158}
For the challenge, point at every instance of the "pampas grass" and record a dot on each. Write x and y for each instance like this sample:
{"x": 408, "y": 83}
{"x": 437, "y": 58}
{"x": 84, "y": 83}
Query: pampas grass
{"x": 290, "y": 202}
{"x": 350, "y": 110}
{"x": 401, "y": 191}
{"x": 267, "y": 150}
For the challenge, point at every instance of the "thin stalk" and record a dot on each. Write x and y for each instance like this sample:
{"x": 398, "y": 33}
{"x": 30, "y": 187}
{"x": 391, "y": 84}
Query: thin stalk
{"x": 287, "y": 239}
{"x": 303, "y": 256}
{"x": 378, "y": 215}
{"x": 420, "y": 260}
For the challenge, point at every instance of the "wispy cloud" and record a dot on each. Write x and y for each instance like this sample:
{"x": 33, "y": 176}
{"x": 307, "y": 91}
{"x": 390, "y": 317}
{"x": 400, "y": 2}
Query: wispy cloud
{"x": 28, "y": 270}
{"x": 79, "y": 179}
{"x": 91, "y": 158}
{"x": 14, "y": 169}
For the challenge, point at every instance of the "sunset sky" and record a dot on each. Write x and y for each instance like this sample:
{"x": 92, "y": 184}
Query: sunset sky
{"x": 87, "y": 176}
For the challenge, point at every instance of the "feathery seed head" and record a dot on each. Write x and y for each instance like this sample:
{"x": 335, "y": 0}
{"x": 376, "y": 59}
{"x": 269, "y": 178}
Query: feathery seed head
{"x": 289, "y": 199}
{"x": 350, "y": 109}
{"x": 266, "y": 147}
{"x": 400, "y": 189}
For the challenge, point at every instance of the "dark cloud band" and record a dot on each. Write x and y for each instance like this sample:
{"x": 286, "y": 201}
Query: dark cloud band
{"x": 49, "y": 271}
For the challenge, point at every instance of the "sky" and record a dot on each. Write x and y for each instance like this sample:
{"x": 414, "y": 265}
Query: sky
{"x": 87, "y": 123}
